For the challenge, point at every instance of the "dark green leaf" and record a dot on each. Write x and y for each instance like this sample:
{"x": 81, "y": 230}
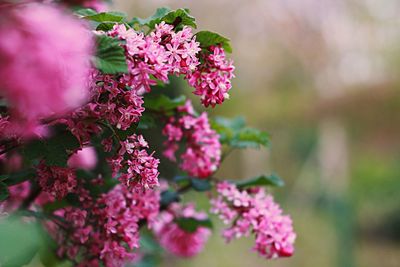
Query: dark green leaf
{"x": 182, "y": 15}
{"x": 163, "y": 103}
{"x": 110, "y": 56}
{"x": 105, "y": 26}
{"x": 168, "y": 197}
{"x": 106, "y": 17}
{"x": 54, "y": 150}
{"x": 147, "y": 122}
{"x": 262, "y": 180}
{"x": 207, "y": 39}
{"x": 201, "y": 185}
{"x": 19, "y": 242}
{"x": 18, "y": 177}
{"x": 191, "y": 224}
{"x": 3, "y": 191}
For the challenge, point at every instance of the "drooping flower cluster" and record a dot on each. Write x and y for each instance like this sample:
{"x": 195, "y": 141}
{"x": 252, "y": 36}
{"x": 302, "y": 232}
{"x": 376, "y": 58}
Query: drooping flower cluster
{"x": 203, "y": 152}
{"x": 254, "y": 212}
{"x": 137, "y": 169}
{"x": 58, "y": 65}
{"x": 212, "y": 79}
{"x": 57, "y": 181}
{"x": 107, "y": 230}
{"x": 175, "y": 240}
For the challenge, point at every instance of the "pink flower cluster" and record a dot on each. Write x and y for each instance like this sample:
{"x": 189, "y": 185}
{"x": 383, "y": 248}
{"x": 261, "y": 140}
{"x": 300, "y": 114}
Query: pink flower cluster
{"x": 254, "y": 211}
{"x": 176, "y": 240}
{"x": 107, "y": 230}
{"x": 57, "y": 181}
{"x": 137, "y": 169}
{"x": 113, "y": 101}
{"x": 157, "y": 55}
{"x": 212, "y": 79}
{"x": 203, "y": 152}
{"x": 42, "y": 39}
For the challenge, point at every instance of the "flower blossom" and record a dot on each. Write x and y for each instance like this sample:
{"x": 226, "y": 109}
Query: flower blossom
{"x": 212, "y": 79}
{"x": 137, "y": 169}
{"x": 254, "y": 212}
{"x": 107, "y": 230}
{"x": 57, "y": 181}
{"x": 203, "y": 149}
{"x": 176, "y": 240}
{"x": 43, "y": 70}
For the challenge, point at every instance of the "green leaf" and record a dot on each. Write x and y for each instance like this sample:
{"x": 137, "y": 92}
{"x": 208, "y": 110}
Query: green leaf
{"x": 3, "y": 191}
{"x": 116, "y": 17}
{"x": 19, "y": 242}
{"x": 168, "y": 197}
{"x": 163, "y": 103}
{"x": 110, "y": 56}
{"x": 105, "y": 26}
{"x": 191, "y": 224}
{"x": 250, "y": 138}
{"x": 153, "y": 19}
{"x": 234, "y": 133}
{"x": 207, "y": 39}
{"x": 201, "y": 185}
{"x": 55, "y": 150}
{"x": 181, "y": 16}
{"x": 261, "y": 180}
{"x": 147, "y": 122}
{"x": 84, "y": 12}
{"x": 18, "y": 177}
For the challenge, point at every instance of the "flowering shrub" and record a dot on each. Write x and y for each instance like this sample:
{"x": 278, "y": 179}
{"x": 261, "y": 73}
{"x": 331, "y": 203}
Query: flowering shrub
{"x": 81, "y": 111}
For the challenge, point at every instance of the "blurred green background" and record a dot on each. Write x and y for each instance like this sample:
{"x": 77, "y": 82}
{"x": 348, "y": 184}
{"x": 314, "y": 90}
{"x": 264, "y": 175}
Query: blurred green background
{"x": 322, "y": 77}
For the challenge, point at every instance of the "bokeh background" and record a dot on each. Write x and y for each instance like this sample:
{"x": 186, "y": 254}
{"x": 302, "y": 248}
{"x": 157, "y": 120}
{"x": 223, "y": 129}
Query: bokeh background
{"x": 322, "y": 77}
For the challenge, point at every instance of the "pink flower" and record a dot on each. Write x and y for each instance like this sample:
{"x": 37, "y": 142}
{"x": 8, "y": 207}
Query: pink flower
{"x": 212, "y": 79}
{"x": 176, "y": 240}
{"x": 253, "y": 211}
{"x": 203, "y": 149}
{"x": 85, "y": 158}
{"x": 58, "y": 181}
{"x": 43, "y": 69}
{"x": 135, "y": 167}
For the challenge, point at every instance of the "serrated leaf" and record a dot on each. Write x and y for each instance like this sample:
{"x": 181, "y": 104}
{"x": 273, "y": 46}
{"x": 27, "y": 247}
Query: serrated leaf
{"x": 233, "y": 132}
{"x": 191, "y": 224}
{"x": 261, "y": 180}
{"x": 201, "y": 185}
{"x": 208, "y": 38}
{"x": 110, "y": 56}
{"x": 250, "y": 138}
{"x": 163, "y": 103}
{"x": 153, "y": 19}
{"x": 116, "y": 17}
{"x": 3, "y": 191}
{"x": 182, "y": 14}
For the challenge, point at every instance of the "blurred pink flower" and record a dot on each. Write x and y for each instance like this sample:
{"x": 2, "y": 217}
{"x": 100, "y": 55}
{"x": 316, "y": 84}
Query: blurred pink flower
{"x": 85, "y": 159}
{"x": 44, "y": 69}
